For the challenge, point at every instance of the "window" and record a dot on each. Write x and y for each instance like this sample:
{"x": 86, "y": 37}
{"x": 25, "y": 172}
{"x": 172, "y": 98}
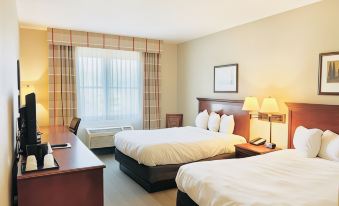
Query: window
{"x": 109, "y": 85}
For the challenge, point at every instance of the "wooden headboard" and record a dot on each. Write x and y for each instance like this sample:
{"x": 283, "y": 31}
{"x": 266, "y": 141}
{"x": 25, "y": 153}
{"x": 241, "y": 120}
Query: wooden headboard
{"x": 321, "y": 116}
{"x": 229, "y": 107}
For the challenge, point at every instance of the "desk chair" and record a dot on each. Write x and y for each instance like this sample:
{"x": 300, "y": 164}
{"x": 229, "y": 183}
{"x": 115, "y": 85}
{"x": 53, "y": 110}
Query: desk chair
{"x": 73, "y": 127}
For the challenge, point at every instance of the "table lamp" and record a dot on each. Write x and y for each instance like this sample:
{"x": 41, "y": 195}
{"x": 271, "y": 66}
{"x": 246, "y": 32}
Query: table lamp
{"x": 251, "y": 105}
{"x": 269, "y": 106}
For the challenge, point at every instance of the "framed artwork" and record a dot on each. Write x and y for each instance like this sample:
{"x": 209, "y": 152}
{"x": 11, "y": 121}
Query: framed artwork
{"x": 329, "y": 73}
{"x": 226, "y": 78}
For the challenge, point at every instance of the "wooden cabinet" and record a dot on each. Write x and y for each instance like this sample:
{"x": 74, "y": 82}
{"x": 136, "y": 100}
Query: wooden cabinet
{"x": 174, "y": 120}
{"x": 248, "y": 150}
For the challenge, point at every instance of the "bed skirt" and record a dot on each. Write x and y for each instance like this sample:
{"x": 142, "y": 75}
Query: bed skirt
{"x": 184, "y": 200}
{"x": 154, "y": 178}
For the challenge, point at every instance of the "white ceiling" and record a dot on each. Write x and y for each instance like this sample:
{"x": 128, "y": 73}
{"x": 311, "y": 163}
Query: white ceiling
{"x": 169, "y": 20}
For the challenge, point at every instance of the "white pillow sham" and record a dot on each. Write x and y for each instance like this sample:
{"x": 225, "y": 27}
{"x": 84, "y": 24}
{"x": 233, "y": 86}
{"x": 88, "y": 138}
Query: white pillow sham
{"x": 214, "y": 122}
{"x": 227, "y": 124}
{"x": 201, "y": 120}
{"x": 307, "y": 142}
{"x": 329, "y": 146}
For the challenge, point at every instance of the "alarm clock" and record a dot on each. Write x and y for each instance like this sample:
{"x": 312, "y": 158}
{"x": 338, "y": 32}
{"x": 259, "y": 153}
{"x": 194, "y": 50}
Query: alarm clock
{"x": 270, "y": 145}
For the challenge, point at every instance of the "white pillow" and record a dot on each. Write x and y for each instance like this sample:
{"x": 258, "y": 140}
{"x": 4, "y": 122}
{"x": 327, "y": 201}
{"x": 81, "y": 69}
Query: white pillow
{"x": 227, "y": 124}
{"x": 201, "y": 120}
{"x": 214, "y": 122}
{"x": 307, "y": 142}
{"x": 329, "y": 146}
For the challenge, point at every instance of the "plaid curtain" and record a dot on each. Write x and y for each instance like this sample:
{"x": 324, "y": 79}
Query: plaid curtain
{"x": 105, "y": 41}
{"x": 151, "y": 90}
{"x": 62, "y": 84}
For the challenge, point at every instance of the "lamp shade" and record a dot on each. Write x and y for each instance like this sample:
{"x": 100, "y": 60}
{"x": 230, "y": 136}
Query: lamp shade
{"x": 250, "y": 104}
{"x": 269, "y": 105}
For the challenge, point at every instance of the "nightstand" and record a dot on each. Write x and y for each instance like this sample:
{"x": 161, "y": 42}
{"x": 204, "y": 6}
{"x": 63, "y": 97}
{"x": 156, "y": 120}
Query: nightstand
{"x": 248, "y": 150}
{"x": 174, "y": 120}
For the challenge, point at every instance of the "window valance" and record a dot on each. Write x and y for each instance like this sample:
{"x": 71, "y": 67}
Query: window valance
{"x": 97, "y": 40}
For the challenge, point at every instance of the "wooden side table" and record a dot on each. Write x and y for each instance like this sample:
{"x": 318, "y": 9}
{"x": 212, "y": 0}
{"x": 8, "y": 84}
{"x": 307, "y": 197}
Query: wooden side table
{"x": 174, "y": 120}
{"x": 248, "y": 150}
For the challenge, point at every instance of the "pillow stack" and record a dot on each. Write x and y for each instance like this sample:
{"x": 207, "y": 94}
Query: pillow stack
{"x": 213, "y": 121}
{"x": 314, "y": 142}
{"x": 201, "y": 120}
{"x": 329, "y": 146}
{"x": 227, "y": 124}
{"x": 307, "y": 142}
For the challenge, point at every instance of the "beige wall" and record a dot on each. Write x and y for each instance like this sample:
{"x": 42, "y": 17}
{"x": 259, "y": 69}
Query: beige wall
{"x": 277, "y": 56}
{"x": 34, "y": 71}
{"x": 168, "y": 82}
{"x": 9, "y": 53}
{"x": 34, "y": 68}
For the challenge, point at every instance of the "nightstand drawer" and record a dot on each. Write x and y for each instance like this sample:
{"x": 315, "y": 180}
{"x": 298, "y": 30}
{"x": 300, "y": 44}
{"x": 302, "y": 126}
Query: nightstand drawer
{"x": 248, "y": 150}
{"x": 241, "y": 153}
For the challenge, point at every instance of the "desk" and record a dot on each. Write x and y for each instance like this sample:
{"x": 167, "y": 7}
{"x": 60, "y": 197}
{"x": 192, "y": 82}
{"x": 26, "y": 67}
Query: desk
{"x": 78, "y": 181}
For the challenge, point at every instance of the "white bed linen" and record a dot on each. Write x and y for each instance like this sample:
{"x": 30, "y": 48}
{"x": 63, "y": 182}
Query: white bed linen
{"x": 174, "y": 145}
{"x": 278, "y": 178}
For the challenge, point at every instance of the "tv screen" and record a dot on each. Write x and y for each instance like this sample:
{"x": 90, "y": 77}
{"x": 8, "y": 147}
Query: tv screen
{"x": 19, "y": 83}
{"x": 18, "y": 73}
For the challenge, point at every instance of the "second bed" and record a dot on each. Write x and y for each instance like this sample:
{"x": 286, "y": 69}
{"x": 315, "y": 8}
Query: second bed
{"x": 152, "y": 158}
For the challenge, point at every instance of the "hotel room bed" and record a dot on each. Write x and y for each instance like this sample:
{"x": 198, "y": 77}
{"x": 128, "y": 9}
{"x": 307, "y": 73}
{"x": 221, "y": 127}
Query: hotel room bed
{"x": 152, "y": 158}
{"x": 279, "y": 178}
{"x": 174, "y": 145}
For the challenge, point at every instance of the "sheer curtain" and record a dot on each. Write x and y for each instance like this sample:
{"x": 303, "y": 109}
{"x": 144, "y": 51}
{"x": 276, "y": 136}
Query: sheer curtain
{"x": 109, "y": 87}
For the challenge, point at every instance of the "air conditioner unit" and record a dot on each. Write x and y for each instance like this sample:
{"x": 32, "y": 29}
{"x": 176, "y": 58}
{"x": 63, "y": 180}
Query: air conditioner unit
{"x": 104, "y": 136}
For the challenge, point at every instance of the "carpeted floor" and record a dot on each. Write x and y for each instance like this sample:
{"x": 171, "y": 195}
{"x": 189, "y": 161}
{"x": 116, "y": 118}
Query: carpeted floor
{"x": 120, "y": 190}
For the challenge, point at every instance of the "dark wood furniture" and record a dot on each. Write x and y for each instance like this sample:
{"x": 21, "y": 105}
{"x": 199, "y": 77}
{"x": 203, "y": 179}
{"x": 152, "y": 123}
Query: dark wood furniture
{"x": 174, "y": 120}
{"x": 324, "y": 117}
{"x": 162, "y": 177}
{"x": 229, "y": 107}
{"x": 248, "y": 150}
{"x": 78, "y": 181}
{"x": 300, "y": 114}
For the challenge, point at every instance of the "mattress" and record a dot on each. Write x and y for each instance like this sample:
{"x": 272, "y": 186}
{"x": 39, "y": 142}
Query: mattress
{"x": 277, "y": 178}
{"x": 174, "y": 145}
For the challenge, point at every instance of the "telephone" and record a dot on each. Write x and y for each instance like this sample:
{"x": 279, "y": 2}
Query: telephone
{"x": 258, "y": 141}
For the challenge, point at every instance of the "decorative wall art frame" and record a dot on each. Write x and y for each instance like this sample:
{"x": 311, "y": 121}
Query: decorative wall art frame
{"x": 329, "y": 73}
{"x": 226, "y": 78}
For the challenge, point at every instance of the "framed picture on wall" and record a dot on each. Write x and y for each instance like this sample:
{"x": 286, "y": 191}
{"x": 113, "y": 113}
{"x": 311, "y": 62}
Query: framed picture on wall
{"x": 226, "y": 78}
{"x": 329, "y": 73}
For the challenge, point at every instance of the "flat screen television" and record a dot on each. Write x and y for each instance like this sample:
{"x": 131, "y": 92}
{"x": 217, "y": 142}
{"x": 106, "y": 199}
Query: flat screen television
{"x": 28, "y": 126}
{"x": 19, "y": 83}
